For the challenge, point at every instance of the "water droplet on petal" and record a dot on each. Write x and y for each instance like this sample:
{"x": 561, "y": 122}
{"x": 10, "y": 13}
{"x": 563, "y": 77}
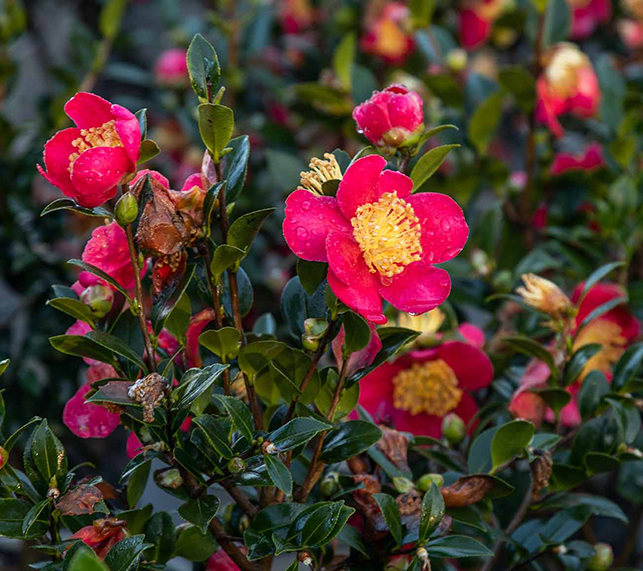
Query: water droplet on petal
{"x": 445, "y": 224}
{"x": 386, "y": 280}
{"x": 450, "y": 253}
{"x": 302, "y": 232}
{"x": 305, "y": 205}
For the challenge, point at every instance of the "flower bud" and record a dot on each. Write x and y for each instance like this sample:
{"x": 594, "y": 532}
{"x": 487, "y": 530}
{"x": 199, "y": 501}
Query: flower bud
{"x": 398, "y": 563}
{"x": 99, "y": 298}
{"x": 453, "y": 428}
{"x": 545, "y": 296}
{"x": 330, "y": 484}
{"x": 314, "y": 331}
{"x": 602, "y": 559}
{"x": 126, "y": 209}
{"x": 169, "y": 479}
{"x": 4, "y": 457}
{"x": 403, "y": 485}
{"x": 236, "y": 465}
{"x": 424, "y": 483}
{"x": 170, "y": 69}
{"x": 456, "y": 59}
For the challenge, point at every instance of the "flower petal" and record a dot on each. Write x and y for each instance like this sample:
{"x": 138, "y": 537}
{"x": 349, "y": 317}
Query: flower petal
{"x": 421, "y": 424}
{"x": 472, "y": 367}
{"x": 56, "y": 158}
{"x": 444, "y": 229}
{"x": 308, "y": 219}
{"x": 88, "y": 110}
{"x": 96, "y": 172}
{"x": 359, "y": 359}
{"x": 376, "y": 390}
{"x": 129, "y": 130}
{"x": 418, "y": 289}
{"x": 88, "y": 420}
{"x": 372, "y": 117}
{"x": 362, "y": 296}
{"x": 346, "y": 260}
{"x": 360, "y": 184}
{"x": 405, "y": 111}
{"x": 394, "y": 181}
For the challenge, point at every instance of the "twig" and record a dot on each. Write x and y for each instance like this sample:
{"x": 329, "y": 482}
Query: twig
{"x": 242, "y": 500}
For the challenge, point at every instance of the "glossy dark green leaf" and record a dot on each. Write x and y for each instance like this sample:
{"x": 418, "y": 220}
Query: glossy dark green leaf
{"x": 391, "y": 514}
{"x": 601, "y": 310}
{"x": 351, "y": 537}
{"x": 74, "y": 307}
{"x": 562, "y": 525}
{"x": 84, "y": 559}
{"x": 224, "y": 257}
{"x": 311, "y": 274}
{"x": 159, "y": 531}
{"x": 101, "y": 274}
{"x": 203, "y": 67}
{"x": 47, "y": 453}
{"x": 222, "y": 342}
{"x": 215, "y": 434}
{"x": 245, "y": 294}
{"x": 314, "y": 524}
{"x": 296, "y": 432}
{"x": 432, "y": 512}
{"x": 510, "y": 441}
{"x": 138, "y": 478}
{"x": 236, "y": 167}
{"x": 200, "y": 511}
{"x": 244, "y": 229}
{"x": 393, "y": 339}
{"x": 578, "y": 362}
{"x": 240, "y": 415}
{"x": 484, "y": 122}
{"x": 556, "y": 398}
{"x": 347, "y": 401}
{"x": 348, "y": 440}
{"x": 557, "y": 22}
{"x": 627, "y": 366}
{"x": 357, "y": 333}
{"x": 279, "y": 474}
{"x": 517, "y": 80}
{"x": 533, "y": 349}
{"x": 116, "y": 345}
{"x": 149, "y": 149}
{"x": 10, "y": 442}
{"x": 34, "y": 517}
{"x": 597, "y": 275}
{"x": 216, "y": 123}
{"x": 12, "y": 514}
{"x": 126, "y": 554}
{"x": 194, "y": 383}
{"x": 69, "y": 204}
{"x": 81, "y": 346}
{"x": 479, "y": 460}
{"x": 592, "y": 390}
{"x": 428, "y": 163}
{"x": 136, "y": 518}
{"x": 457, "y": 546}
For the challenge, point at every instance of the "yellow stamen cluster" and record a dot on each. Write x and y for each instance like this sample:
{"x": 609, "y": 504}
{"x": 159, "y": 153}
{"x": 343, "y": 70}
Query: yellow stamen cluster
{"x": 321, "y": 171}
{"x": 428, "y": 324}
{"x": 388, "y": 233}
{"x": 563, "y": 65}
{"x": 609, "y": 335}
{"x": 429, "y": 387}
{"x": 103, "y": 136}
{"x": 544, "y": 295}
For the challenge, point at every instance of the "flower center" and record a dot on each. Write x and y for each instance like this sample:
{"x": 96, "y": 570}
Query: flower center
{"x": 429, "y": 387}
{"x": 562, "y": 71}
{"x": 609, "y": 335}
{"x": 321, "y": 171}
{"x": 103, "y": 136}
{"x": 388, "y": 233}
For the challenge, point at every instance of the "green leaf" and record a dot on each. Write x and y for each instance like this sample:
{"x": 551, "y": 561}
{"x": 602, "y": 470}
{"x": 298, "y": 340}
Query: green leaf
{"x": 288, "y": 370}
{"x": 101, "y": 274}
{"x": 138, "y": 478}
{"x": 296, "y": 432}
{"x": 578, "y": 362}
{"x": 479, "y": 460}
{"x": 357, "y": 333}
{"x": 136, "y": 518}
{"x": 343, "y": 59}
{"x": 627, "y": 366}
{"x": 12, "y": 513}
{"x": 84, "y": 559}
{"x": 194, "y": 545}
{"x": 203, "y": 68}
{"x": 236, "y": 167}
{"x": 348, "y": 440}
{"x": 600, "y": 311}
{"x": 428, "y": 163}
{"x": 597, "y": 275}
{"x": 432, "y": 133}
{"x": 216, "y": 123}
{"x": 215, "y": 434}
{"x": 111, "y": 16}
{"x": 600, "y": 506}
{"x": 224, "y": 257}
{"x": 169, "y": 298}
{"x": 160, "y": 532}
{"x": 69, "y": 204}
{"x": 510, "y": 441}
{"x": 484, "y": 122}
{"x": 422, "y": 12}
{"x": 245, "y": 228}
{"x": 224, "y": 342}
{"x": 31, "y": 519}
{"x": 347, "y": 401}
{"x": 240, "y": 415}
{"x": 47, "y": 454}
{"x": 518, "y": 81}
{"x": 125, "y": 555}
{"x": 201, "y": 511}
{"x": 10, "y": 442}
{"x": 4, "y": 364}
{"x": 556, "y": 398}
{"x": 116, "y": 345}
{"x": 311, "y": 274}
{"x": 391, "y": 514}
{"x": 564, "y": 524}
{"x": 533, "y": 349}
{"x": 149, "y": 149}
{"x": 432, "y": 512}
{"x": 351, "y": 537}
{"x": 141, "y": 116}
{"x": 279, "y": 474}
{"x": 592, "y": 390}
{"x": 81, "y": 346}
{"x": 456, "y": 546}
{"x": 194, "y": 383}
{"x": 245, "y": 295}
{"x": 74, "y": 307}
{"x": 558, "y": 20}
{"x": 314, "y": 524}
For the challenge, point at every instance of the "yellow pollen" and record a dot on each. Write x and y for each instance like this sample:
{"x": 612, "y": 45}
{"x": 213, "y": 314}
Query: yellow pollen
{"x": 388, "y": 232}
{"x": 103, "y": 136}
{"x": 321, "y": 171}
{"x": 562, "y": 69}
{"x": 609, "y": 335}
{"x": 429, "y": 387}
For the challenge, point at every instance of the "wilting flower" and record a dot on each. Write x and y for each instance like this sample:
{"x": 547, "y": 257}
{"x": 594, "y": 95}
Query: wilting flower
{"x": 296, "y": 15}
{"x": 389, "y": 34}
{"x": 545, "y": 296}
{"x": 171, "y": 68}
{"x": 476, "y": 21}
{"x": 88, "y": 161}
{"x": 102, "y": 535}
{"x": 590, "y": 160}
{"x": 587, "y": 15}
{"x": 88, "y": 420}
{"x": 391, "y": 118}
{"x": 379, "y": 240}
{"x": 417, "y": 390}
{"x": 568, "y": 84}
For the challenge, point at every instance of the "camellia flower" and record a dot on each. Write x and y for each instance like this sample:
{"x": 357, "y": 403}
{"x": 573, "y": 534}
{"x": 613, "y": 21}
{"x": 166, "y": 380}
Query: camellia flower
{"x": 631, "y": 30}
{"x": 102, "y": 535}
{"x": 88, "y": 161}
{"x": 587, "y": 15}
{"x": 171, "y": 68}
{"x": 88, "y": 420}
{"x": 589, "y": 161}
{"x": 389, "y": 34}
{"x": 417, "y": 390}
{"x": 568, "y": 84}
{"x": 378, "y": 239}
{"x": 391, "y": 118}
{"x": 476, "y": 21}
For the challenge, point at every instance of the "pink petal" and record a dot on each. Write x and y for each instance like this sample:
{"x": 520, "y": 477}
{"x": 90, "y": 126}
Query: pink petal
{"x": 133, "y": 446}
{"x": 418, "y": 289}
{"x": 129, "y": 130}
{"x": 359, "y": 359}
{"x": 56, "y": 158}
{"x": 444, "y": 229}
{"x": 473, "y": 29}
{"x": 192, "y": 181}
{"x": 346, "y": 260}
{"x": 96, "y": 172}
{"x": 81, "y": 328}
{"x": 196, "y": 326}
{"x": 88, "y": 110}
{"x": 372, "y": 117}
{"x": 472, "y": 367}
{"x": 221, "y": 561}
{"x": 88, "y": 420}
{"x": 405, "y": 111}
{"x": 156, "y": 175}
{"x": 421, "y": 424}
{"x": 394, "y": 181}
{"x": 376, "y": 390}
{"x": 362, "y": 296}
{"x": 360, "y": 184}
{"x": 472, "y": 334}
{"x": 308, "y": 219}
{"x": 107, "y": 249}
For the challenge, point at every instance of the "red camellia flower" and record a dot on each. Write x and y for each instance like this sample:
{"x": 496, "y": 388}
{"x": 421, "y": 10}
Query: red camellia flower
{"x": 221, "y": 561}
{"x": 389, "y": 34}
{"x": 378, "y": 239}
{"x": 102, "y": 535}
{"x": 476, "y": 21}
{"x": 568, "y": 84}
{"x": 590, "y": 160}
{"x": 391, "y": 118}
{"x": 418, "y": 389}
{"x": 587, "y": 15}
{"x": 171, "y": 68}
{"x": 88, "y": 161}
{"x": 88, "y": 420}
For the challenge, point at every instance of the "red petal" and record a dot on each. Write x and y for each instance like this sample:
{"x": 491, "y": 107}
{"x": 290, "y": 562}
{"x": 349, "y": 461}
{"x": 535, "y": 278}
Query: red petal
{"x": 56, "y": 158}
{"x": 361, "y": 297}
{"x": 133, "y": 446}
{"x": 473, "y": 29}
{"x": 472, "y": 367}
{"x": 360, "y": 184}
{"x": 96, "y": 172}
{"x": 129, "y": 130}
{"x": 444, "y": 229}
{"x": 394, "y": 181}
{"x": 421, "y": 424}
{"x": 88, "y": 110}
{"x": 88, "y": 420}
{"x": 156, "y": 175}
{"x": 376, "y": 391}
{"x": 418, "y": 289}
{"x": 359, "y": 359}
{"x": 346, "y": 260}
{"x": 308, "y": 219}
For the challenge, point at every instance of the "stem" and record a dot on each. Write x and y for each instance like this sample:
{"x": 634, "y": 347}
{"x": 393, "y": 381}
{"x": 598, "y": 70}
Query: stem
{"x": 242, "y": 500}
{"x": 229, "y": 547}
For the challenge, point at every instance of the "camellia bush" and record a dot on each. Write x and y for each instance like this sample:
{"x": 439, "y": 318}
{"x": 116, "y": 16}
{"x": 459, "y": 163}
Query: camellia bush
{"x": 440, "y": 389}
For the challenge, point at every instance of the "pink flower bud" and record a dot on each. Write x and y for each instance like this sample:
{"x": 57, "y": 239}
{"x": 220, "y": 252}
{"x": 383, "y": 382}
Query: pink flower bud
{"x": 99, "y": 298}
{"x": 391, "y": 118}
{"x": 171, "y": 69}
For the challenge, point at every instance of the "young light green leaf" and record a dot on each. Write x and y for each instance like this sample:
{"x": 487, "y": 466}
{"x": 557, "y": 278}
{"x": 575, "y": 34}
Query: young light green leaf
{"x": 428, "y": 163}
{"x": 216, "y": 123}
{"x": 510, "y": 441}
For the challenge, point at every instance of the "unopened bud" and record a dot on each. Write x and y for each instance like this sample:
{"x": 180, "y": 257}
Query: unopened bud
{"x": 169, "y": 479}
{"x": 425, "y": 482}
{"x": 602, "y": 559}
{"x": 99, "y": 298}
{"x": 480, "y": 262}
{"x": 403, "y": 485}
{"x": 126, "y": 209}
{"x": 305, "y": 558}
{"x": 423, "y": 555}
{"x": 399, "y": 563}
{"x": 456, "y": 59}
{"x": 4, "y": 457}
{"x": 560, "y": 549}
{"x": 244, "y": 523}
{"x": 53, "y": 493}
{"x": 236, "y": 465}
{"x": 453, "y": 428}
{"x": 544, "y": 295}
{"x": 330, "y": 484}
{"x": 314, "y": 331}
{"x": 269, "y": 448}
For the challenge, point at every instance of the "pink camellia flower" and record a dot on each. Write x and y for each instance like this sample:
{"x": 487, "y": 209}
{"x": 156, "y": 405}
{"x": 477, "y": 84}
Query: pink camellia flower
{"x": 631, "y": 32}
{"x": 156, "y": 175}
{"x": 378, "y": 239}
{"x": 417, "y": 390}
{"x": 389, "y": 34}
{"x": 587, "y": 15}
{"x": 196, "y": 326}
{"x": 88, "y": 420}
{"x": 568, "y": 84}
{"x": 476, "y": 21}
{"x": 82, "y": 328}
{"x": 171, "y": 68}
{"x": 88, "y": 161}
{"x": 590, "y": 160}
{"x": 221, "y": 561}
{"x": 296, "y": 15}
{"x": 391, "y": 118}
